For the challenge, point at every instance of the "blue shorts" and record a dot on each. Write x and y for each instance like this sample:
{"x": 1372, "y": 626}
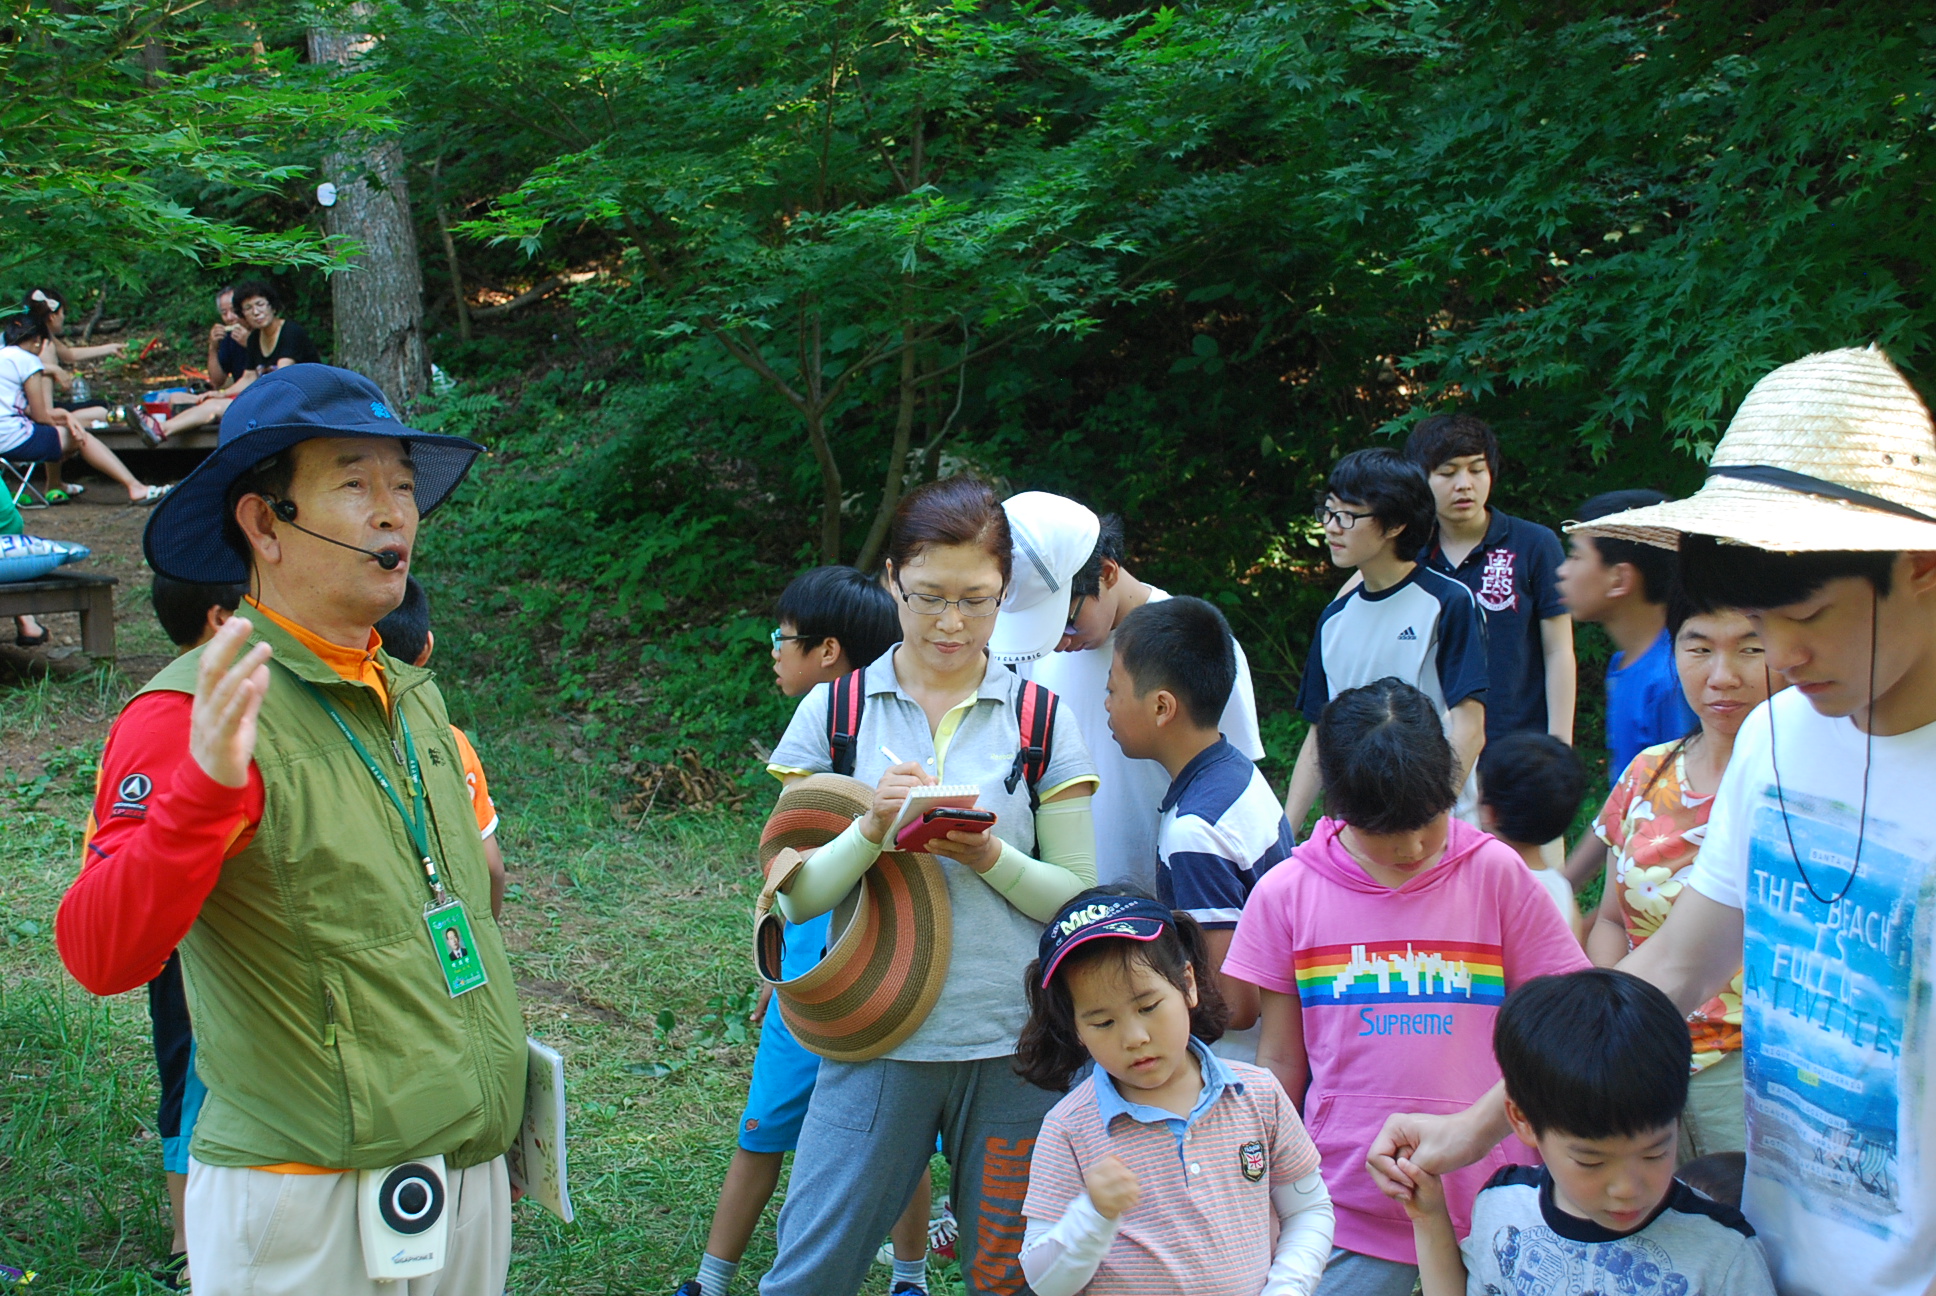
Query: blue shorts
{"x": 182, "y": 1091}
{"x": 43, "y": 445}
{"x": 783, "y": 1071}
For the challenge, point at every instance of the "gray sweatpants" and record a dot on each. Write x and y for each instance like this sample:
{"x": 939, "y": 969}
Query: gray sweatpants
{"x": 869, "y": 1132}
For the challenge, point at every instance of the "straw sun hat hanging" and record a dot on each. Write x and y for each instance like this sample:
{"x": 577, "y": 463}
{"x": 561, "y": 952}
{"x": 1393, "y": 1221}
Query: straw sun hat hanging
{"x": 1833, "y": 451}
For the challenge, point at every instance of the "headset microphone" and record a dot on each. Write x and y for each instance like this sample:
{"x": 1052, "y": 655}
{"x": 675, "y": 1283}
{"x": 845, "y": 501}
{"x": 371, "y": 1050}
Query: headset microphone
{"x": 286, "y": 510}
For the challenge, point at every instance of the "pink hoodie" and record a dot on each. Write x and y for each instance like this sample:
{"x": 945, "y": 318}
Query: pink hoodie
{"x": 1399, "y": 990}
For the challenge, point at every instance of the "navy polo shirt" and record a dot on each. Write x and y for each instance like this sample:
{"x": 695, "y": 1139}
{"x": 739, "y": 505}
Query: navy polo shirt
{"x": 1514, "y": 575}
{"x": 232, "y": 356}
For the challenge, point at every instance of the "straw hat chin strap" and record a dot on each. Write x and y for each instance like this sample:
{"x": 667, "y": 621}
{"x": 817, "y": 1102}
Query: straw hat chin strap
{"x": 1788, "y": 479}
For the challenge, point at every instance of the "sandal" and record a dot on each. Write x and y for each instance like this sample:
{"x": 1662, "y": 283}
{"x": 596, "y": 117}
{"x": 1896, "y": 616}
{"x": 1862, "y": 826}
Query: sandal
{"x": 56, "y": 496}
{"x": 32, "y": 641}
{"x": 149, "y": 428}
{"x": 156, "y": 494}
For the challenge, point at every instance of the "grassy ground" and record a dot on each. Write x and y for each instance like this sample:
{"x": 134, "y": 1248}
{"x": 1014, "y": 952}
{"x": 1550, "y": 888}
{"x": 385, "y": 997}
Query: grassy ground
{"x": 628, "y": 939}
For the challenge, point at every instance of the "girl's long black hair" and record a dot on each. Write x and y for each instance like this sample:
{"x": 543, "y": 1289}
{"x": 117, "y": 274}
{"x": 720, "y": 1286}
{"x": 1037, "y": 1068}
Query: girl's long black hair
{"x": 1050, "y": 1052}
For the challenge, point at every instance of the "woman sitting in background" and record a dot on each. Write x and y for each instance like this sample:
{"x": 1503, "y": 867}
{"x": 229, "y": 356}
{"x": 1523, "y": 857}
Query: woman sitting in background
{"x": 273, "y": 343}
{"x": 57, "y": 359}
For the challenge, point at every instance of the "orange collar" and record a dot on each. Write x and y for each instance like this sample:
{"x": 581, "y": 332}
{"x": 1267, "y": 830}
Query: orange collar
{"x": 358, "y": 667}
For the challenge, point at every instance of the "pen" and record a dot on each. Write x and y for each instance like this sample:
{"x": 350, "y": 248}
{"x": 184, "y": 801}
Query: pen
{"x": 892, "y": 758}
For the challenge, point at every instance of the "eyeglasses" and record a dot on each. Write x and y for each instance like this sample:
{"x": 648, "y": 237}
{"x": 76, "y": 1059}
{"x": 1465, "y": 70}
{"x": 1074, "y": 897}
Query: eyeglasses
{"x": 780, "y": 636}
{"x": 1075, "y": 610}
{"x": 981, "y": 605}
{"x": 1344, "y": 518}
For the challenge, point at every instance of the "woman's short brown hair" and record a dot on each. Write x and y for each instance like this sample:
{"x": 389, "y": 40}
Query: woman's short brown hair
{"x": 953, "y": 511}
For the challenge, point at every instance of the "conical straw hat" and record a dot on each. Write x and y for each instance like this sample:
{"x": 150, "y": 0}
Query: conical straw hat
{"x": 1833, "y": 451}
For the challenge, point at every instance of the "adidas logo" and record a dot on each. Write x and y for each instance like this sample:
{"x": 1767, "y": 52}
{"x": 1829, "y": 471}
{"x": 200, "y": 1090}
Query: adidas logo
{"x": 1408, "y": 635}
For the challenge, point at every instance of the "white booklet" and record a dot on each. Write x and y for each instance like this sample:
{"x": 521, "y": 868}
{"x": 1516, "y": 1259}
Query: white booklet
{"x": 922, "y": 800}
{"x": 537, "y": 1159}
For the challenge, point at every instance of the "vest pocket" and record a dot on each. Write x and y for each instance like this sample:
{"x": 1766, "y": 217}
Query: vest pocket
{"x": 405, "y": 1050}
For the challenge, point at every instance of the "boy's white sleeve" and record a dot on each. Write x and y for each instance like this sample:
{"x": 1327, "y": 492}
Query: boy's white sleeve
{"x": 1305, "y": 1223}
{"x": 1060, "y": 1259}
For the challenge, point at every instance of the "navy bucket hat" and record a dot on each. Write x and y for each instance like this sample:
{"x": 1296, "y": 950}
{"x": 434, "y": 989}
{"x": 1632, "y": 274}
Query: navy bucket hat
{"x": 188, "y": 536}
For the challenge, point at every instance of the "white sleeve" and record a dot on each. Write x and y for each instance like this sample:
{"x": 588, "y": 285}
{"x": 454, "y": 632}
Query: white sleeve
{"x": 1239, "y": 722}
{"x": 1303, "y": 1237}
{"x": 1060, "y": 1260}
{"x": 1721, "y": 869}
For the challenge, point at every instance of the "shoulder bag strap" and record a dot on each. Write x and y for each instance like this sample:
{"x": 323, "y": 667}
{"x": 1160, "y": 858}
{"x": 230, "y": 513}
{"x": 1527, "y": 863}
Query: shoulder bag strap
{"x": 845, "y": 702}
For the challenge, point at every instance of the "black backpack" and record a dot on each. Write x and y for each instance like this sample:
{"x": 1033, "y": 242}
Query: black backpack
{"x": 1035, "y": 709}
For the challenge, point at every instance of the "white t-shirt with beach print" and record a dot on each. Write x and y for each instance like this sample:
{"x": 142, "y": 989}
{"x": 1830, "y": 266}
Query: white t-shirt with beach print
{"x": 1836, "y": 1014}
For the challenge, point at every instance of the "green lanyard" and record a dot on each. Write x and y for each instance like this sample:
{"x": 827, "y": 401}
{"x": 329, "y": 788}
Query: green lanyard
{"x": 416, "y": 827}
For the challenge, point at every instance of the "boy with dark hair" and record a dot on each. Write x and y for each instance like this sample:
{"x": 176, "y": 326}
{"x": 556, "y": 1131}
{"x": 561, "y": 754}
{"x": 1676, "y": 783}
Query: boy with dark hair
{"x": 1595, "y": 1069}
{"x": 1086, "y": 556}
{"x": 833, "y": 620}
{"x": 1221, "y": 828}
{"x": 829, "y": 615}
{"x": 1404, "y": 620}
{"x": 190, "y": 615}
{"x": 1530, "y": 787}
{"x": 1818, "y": 848}
{"x": 1624, "y": 586}
{"x": 1512, "y": 568}
{"x": 406, "y": 636}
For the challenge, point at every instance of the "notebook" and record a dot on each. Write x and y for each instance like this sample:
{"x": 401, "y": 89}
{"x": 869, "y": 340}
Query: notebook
{"x": 536, "y": 1159}
{"x": 922, "y": 800}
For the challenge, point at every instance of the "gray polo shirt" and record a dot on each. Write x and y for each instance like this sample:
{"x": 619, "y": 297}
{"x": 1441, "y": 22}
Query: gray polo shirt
{"x": 981, "y": 1009}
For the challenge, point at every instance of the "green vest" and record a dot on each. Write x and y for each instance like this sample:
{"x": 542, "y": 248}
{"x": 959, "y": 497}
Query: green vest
{"x": 323, "y": 1028}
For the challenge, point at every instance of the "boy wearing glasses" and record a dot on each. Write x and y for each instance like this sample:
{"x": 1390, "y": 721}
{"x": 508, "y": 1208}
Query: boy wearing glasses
{"x": 1403, "y": 620}
{"x": 833, "y": 620}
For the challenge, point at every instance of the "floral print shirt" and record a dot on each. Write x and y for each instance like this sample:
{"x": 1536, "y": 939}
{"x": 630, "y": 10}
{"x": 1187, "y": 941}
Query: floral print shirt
{"x": 1654, "y": 826}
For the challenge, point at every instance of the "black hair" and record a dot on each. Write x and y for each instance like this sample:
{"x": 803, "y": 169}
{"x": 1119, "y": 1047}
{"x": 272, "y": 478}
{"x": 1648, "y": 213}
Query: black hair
{"x": 1184, "y": 645}
{"x": 1655, "y": 564}
{"x": 271, "y": 477}
{"x": 1534, "y": 784}
{"x": 1049, "y": 1052}
{"x": 406, "y": 628}
{"x": 844, "y": 604}
{"x": 1384, "y": 758}
{"x": 1087, "y": 582}
{"x": 1595, "y": 1054}
{"x": 249, "y": 288}
{"x": 1717, "y": 575}
{"x": 1452, "y": 436}
{"x": 1395, "y": 490}
{"x": 182, "y": 607}
{"x": 1720, "y": 1175}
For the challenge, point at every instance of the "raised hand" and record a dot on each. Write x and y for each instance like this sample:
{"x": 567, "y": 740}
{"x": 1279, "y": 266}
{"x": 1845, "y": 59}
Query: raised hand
{"x": 228, "y": 698}
{"x": 1112, "y": 1187}
{"x": 889, "y": 796}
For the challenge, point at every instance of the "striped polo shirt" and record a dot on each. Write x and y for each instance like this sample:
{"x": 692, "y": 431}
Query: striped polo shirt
{"x": 1221, "y": 829}
{"x": 1205, "y": 1224}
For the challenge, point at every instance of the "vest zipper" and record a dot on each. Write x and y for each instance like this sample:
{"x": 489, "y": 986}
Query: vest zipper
{"x": 329, "y": 1018}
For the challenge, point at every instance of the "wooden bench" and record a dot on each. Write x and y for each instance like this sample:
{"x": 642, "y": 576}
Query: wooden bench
{"x": 84, "y": 592}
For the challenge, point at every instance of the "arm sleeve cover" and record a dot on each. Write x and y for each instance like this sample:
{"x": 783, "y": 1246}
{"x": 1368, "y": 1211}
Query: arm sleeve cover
{"x": 1065, "y": 834}
{"x": 1303, "y": 1237}
{"x": 828, "y": 875}
{"x": 1060, "y": 1259}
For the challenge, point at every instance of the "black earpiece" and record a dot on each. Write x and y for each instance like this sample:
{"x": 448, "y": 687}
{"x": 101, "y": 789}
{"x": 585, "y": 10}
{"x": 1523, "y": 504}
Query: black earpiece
{"x": 286, "y": 510}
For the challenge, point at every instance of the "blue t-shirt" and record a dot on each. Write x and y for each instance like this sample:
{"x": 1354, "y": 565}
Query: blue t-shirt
{"x": 233, "y": 357}
{"x": 1514, "y": 574}
{"x": 1221, "y": 828}
{"x": 1645, "y": 704}
{"x": 1426, "y": 630}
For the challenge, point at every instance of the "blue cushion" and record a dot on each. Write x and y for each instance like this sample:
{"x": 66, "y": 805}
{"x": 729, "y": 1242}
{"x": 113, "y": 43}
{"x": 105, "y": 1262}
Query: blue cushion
{"x": 25, "y": 557}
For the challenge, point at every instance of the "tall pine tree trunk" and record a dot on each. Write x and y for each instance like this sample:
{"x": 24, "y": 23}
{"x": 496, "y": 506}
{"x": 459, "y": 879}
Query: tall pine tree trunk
{"x": 378, "y": 299}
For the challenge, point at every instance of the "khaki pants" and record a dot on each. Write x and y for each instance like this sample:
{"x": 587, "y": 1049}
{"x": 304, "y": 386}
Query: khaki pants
{"x": 253, "y": 1233}
{"x": 1716, "y": 1117}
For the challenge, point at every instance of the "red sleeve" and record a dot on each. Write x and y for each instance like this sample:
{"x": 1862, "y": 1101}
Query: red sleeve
{"x": 161, "y": 829}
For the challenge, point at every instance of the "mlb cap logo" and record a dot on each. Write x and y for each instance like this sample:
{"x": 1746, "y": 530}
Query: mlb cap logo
{"x": 1092, "y": 916}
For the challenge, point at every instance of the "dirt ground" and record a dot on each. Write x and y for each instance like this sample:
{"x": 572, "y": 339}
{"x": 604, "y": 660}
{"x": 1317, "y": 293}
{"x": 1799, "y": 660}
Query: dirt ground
{"x": 105, "y": 522}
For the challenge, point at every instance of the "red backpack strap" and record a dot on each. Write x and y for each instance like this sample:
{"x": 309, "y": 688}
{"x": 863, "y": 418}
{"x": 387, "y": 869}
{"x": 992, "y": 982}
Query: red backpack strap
{"x": 1035, "y": 709}
{"x": 845, "y": 702}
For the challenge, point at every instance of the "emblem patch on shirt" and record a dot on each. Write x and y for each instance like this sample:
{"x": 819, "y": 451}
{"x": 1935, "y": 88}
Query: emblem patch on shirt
{"x": 1408, "y": 635}
{"x": 1251, "y": 1159}
{"x": 131, "y": 797}
{"x": 1496, "y": 590}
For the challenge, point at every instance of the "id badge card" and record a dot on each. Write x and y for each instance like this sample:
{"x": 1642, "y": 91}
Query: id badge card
{"x": 457, "y": 957}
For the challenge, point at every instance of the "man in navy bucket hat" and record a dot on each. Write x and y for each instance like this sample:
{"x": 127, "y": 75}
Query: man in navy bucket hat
{"x": 287, "y": 806}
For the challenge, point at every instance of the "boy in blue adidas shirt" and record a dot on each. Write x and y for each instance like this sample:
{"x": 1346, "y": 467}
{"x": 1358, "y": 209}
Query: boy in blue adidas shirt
{"x": 1404, "y": 621}
{"x": 1221, "y": 828}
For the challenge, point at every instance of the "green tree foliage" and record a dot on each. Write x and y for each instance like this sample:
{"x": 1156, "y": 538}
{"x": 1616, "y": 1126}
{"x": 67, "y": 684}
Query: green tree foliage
{"x": 130, "y": 125}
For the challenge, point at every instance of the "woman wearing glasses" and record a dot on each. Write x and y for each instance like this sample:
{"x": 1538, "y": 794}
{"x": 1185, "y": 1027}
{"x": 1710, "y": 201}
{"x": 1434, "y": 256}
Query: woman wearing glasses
{"x": 937, "y": 710}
